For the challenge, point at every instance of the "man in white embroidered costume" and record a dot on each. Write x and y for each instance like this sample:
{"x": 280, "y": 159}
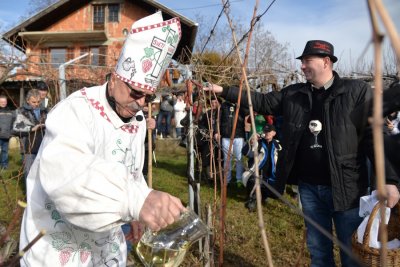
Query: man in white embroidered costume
{"x": 87, "y": 178}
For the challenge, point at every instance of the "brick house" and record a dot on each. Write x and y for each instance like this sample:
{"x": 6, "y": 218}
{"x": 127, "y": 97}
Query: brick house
{"x": 71, "y": 28}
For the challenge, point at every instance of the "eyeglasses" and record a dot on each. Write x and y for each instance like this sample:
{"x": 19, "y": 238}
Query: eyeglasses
{"x": 135, "y": 94}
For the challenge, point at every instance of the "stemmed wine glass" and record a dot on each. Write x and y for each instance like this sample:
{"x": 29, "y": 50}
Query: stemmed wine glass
{"x": 315, "y": 127}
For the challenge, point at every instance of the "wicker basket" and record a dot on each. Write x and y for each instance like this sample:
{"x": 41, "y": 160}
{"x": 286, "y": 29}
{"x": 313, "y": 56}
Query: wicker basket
{"x": 371, "y": 256}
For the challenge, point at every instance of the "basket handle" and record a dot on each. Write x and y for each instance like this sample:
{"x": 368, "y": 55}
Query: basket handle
{"x": 367, "y": 232}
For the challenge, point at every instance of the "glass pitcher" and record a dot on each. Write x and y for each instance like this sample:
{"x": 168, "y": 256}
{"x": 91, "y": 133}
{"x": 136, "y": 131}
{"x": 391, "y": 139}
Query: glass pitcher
{"x": 168, "y": 246}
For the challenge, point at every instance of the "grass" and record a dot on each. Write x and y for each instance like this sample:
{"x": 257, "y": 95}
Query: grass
{"x": 11, "y": 190}
{"x": 243, "y": 245}
{"x": 12, "y": 186}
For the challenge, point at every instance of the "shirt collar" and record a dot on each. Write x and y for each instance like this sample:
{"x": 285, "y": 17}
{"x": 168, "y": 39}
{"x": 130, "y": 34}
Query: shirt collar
{"x": 326, "y": 85}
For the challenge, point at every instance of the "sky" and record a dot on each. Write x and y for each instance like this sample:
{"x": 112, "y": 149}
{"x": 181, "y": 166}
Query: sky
{"x": 344, "y": 23}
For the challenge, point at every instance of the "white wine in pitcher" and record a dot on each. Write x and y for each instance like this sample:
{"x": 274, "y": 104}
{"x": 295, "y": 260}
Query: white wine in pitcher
{"x": 153, "y": 256}
{"x": 168, "y": 246}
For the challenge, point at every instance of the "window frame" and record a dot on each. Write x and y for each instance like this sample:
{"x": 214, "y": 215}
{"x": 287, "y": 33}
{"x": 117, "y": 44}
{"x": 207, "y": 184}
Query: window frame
{"x": 99, "y": 17}
{"x": 113, "y": 14}
{"x": 57, "y": 57}
{"x": 95, "y": 59}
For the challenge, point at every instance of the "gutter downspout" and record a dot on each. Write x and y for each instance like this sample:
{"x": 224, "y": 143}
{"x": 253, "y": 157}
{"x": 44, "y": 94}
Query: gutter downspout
{"x": 61, "y": 71}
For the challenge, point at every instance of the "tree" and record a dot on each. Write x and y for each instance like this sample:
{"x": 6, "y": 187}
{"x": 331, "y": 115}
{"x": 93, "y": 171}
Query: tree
{"x": 268, "y": 63}
{"x": 269, "y": 59}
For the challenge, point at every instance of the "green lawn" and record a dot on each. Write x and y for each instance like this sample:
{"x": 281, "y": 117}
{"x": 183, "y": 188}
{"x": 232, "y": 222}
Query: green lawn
{"x": 243, "y": 245}
{"x": 12, "y": 186}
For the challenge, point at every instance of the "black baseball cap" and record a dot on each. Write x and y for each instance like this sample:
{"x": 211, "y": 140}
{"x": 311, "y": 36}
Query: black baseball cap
{"x": 269, "y": 128}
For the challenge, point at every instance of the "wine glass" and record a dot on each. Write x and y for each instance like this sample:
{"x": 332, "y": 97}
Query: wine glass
{"x": 315, "y": 127}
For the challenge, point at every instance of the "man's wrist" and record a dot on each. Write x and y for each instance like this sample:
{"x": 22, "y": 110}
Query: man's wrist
{"x": 224, "y": 92}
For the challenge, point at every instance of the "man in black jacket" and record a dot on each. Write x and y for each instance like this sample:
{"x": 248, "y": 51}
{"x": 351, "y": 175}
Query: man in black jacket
{"x": 227, "y": 117}
{"x": 322, "y": 149}
{"x": 7, "y": 117}
{"x": 30, "y": 127}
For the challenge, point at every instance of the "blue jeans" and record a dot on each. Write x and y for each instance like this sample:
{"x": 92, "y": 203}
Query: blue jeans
{"x": 317, "y": 204}
{"x": 4, "y": 152}
{"x": 178, "y": 132}
{"x": 160, "y": 129}
{"x": 236, "y": 154}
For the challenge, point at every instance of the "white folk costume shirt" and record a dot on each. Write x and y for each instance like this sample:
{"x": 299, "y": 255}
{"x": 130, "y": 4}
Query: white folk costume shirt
{"x": 86, "y": 181}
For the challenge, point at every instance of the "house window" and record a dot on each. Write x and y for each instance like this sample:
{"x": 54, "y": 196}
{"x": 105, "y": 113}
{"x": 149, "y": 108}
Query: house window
{"x": 97, "y": 57}
{"x": 98, "y": 17}
{"x": 113, "y": 12}
{"x": 57, "y": 56}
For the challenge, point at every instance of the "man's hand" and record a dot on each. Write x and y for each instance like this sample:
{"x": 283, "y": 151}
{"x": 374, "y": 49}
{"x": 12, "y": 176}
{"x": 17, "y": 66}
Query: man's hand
{"x": 137, "y": 230}
{"x": 160, "y": 209}
{"x": 151, "y": 123}
{"x": 389, "y": 124}
{"x": 213, "y": 87}
{"x": 36, "y": 127}
{"x": 393, "y": 195}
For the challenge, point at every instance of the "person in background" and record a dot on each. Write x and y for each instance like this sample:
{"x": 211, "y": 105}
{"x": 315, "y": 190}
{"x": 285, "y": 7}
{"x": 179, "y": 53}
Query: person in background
{"x": 29, "y": 126}
{"x": 207, "y": 122}
{"x": 7, "y": 118}
{"x": 259, "y": 121}
{"x": 324, "y": 150}
{"x": 179, "y": 114}
{"x": 227, "y": 116}
{"x": 87, "y": 178}
{"x": 44, "y": 99}
{"x": 164, "y": 116}
{"x": 268, "y": 149}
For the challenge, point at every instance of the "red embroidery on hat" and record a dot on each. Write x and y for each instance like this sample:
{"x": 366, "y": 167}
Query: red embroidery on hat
{"x": 139, "y": 85}
{"x": 322, "y": 46}
{"x": 129, "y": 128}
{"x": 158, "y": 25}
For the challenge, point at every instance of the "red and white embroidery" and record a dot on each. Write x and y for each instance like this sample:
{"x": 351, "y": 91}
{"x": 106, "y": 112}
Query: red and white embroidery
{"x": 140, "y": 85}
{"x": 129, "y": 128}
{"x": 158, "y": 25}
{"x": 96, "y": 104}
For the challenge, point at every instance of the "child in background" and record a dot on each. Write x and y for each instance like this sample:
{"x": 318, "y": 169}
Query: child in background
{"x": 268, "y": 149}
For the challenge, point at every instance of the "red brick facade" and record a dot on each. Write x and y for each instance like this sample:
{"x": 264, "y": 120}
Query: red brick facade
{"x": 104, "y": 52}
{"x": 70, "y": 28}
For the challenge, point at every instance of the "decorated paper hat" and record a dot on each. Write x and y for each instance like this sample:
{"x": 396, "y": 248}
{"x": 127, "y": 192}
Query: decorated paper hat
{"x": 147, "y": 52}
